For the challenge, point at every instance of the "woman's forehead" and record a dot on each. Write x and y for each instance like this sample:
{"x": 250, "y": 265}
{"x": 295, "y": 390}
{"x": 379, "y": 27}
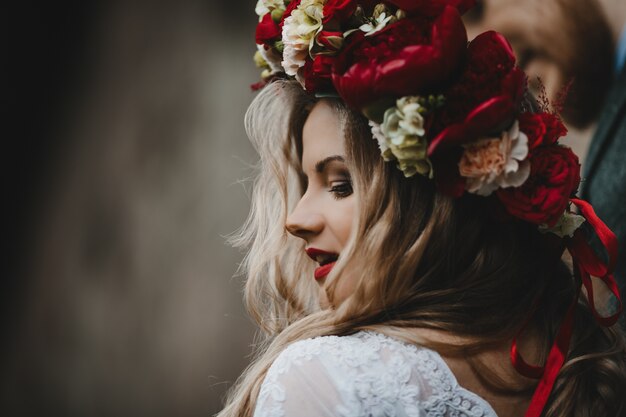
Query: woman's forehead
{"x": 322, "y": 135}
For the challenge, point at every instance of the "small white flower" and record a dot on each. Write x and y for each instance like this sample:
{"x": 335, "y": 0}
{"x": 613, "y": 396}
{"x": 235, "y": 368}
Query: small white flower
{"x": 492, "y": 163}
{"x": 565, "y": 226}
{"x": 380, "y": 21}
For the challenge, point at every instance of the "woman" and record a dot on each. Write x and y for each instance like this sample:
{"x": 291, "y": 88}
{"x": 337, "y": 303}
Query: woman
{"x": 425, "y": 281}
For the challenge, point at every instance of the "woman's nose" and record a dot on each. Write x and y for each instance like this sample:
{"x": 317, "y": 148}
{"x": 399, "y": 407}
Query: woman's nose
{"x": 303, "y": 222}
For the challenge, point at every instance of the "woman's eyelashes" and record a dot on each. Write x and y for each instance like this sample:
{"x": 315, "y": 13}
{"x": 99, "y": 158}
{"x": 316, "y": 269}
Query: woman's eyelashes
{"x": 341, "y": 188}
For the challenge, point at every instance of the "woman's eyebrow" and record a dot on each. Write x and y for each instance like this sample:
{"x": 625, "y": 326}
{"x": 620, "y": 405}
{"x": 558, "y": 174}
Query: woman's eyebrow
{"x": 321, "y": 165}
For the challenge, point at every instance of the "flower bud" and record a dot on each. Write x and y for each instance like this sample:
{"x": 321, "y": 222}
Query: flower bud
{"x": 400, "y": 14}
{"x": 259, "y": 61}
{"x": 379, "y": 9}
{"x": 277, "y": 15}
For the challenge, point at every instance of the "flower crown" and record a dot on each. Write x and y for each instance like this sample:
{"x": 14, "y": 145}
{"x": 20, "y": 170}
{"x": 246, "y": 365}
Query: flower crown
{"x": 437, "y": 106}
{"x": 442, "y": 108}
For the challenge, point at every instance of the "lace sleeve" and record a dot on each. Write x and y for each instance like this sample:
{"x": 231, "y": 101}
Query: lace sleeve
{"x": 298, "y": 384}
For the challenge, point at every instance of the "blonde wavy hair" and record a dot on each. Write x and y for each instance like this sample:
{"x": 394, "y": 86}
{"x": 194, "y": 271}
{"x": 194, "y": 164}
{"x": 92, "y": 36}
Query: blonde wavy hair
{"x": 420, "y": 259}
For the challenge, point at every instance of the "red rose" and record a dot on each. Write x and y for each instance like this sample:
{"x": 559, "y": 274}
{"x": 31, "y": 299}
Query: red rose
{"x": 407, "y": 57}
{"x": 554, "y": 128}
{"x": 542, "y": 129}
{"x": 542, "y": 199}
{"x": 267, "y": 31}
{"x": 485, "y": 97}
{"x": 317, "y": 74}
{"x": 532, "y": 125}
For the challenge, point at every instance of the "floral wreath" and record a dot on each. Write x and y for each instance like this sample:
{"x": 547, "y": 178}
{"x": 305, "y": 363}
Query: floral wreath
{"x": 446, "y": 109}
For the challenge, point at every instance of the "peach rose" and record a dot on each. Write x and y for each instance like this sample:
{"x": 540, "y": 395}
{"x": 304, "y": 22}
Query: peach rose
{"x": 492, "y": 163}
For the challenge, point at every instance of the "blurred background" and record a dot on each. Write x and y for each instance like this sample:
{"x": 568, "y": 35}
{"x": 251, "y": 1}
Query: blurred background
{"x": 123, "y": 177}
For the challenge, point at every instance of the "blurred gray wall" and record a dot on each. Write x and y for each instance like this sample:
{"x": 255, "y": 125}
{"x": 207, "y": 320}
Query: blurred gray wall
{"x": 130, "y": 307}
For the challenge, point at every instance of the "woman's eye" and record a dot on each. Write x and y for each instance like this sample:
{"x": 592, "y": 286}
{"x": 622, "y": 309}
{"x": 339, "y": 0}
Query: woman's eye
{"x": 341, "y": 189}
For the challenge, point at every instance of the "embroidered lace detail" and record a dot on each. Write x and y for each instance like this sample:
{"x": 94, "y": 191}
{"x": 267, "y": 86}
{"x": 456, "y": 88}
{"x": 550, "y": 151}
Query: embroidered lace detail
{"x": 364, "y": 375}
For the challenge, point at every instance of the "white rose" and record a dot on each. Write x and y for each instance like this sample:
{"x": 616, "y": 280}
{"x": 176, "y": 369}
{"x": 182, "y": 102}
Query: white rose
{"x": 402, "y": 132}
{"x": 411, "y": 121}
{"x": 299, "y": 31}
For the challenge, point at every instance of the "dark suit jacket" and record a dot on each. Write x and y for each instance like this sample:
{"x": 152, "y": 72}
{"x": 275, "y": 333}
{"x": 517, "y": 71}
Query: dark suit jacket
{"x": 604, "y": 177}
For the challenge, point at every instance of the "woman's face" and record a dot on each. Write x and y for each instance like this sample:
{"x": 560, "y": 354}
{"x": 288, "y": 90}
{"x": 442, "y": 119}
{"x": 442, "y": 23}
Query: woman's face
{"x": 323, "y": 216}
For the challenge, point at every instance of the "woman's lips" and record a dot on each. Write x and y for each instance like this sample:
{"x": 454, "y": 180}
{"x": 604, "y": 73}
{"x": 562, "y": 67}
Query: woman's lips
{"x": 322, "y": 271}
{"x": 325, "y": 259}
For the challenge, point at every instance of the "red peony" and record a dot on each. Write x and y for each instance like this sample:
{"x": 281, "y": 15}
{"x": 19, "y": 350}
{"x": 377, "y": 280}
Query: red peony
{"x": 317, "y": 74}
{"x": 542, "y": 129}
{"x": 542, "y": 199}
{"x": 339, "y": 10}
{"x": 406, "y": 58}
{"x": 485, "y": 98}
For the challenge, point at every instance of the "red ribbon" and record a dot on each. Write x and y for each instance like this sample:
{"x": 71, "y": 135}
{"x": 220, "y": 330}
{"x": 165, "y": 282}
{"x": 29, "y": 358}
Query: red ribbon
{"x": 586, "y": 263}
{"x": 589, "y": 264}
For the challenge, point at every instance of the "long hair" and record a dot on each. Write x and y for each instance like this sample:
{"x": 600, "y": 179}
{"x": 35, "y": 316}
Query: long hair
{"x": 419, "y": 260}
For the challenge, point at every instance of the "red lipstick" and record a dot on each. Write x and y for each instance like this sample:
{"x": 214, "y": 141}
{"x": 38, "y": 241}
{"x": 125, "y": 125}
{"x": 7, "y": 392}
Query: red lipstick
{"x": 322, "y": 271}
{"x": 325, "y": 259}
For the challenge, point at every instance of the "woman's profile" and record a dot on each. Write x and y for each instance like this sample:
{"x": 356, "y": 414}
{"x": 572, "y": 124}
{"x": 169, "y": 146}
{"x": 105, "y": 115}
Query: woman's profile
{"x": 408, "y": 222}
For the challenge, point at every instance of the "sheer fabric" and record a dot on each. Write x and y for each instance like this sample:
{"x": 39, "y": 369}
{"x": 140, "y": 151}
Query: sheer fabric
{"x": 364, "y": 375}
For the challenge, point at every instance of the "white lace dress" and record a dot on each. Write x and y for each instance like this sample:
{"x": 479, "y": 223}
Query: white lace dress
{"x": 364, "y": 375}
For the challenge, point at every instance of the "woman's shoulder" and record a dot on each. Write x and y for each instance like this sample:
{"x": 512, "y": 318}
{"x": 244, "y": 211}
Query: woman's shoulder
{"x": 352, "y": 350}
{"x": 363, "y": 373}
{"x": 360, "y": 353}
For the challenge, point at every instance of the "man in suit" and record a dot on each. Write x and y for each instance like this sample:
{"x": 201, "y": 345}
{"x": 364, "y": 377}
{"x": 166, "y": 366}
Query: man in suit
{"x": 604, "y": 176}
